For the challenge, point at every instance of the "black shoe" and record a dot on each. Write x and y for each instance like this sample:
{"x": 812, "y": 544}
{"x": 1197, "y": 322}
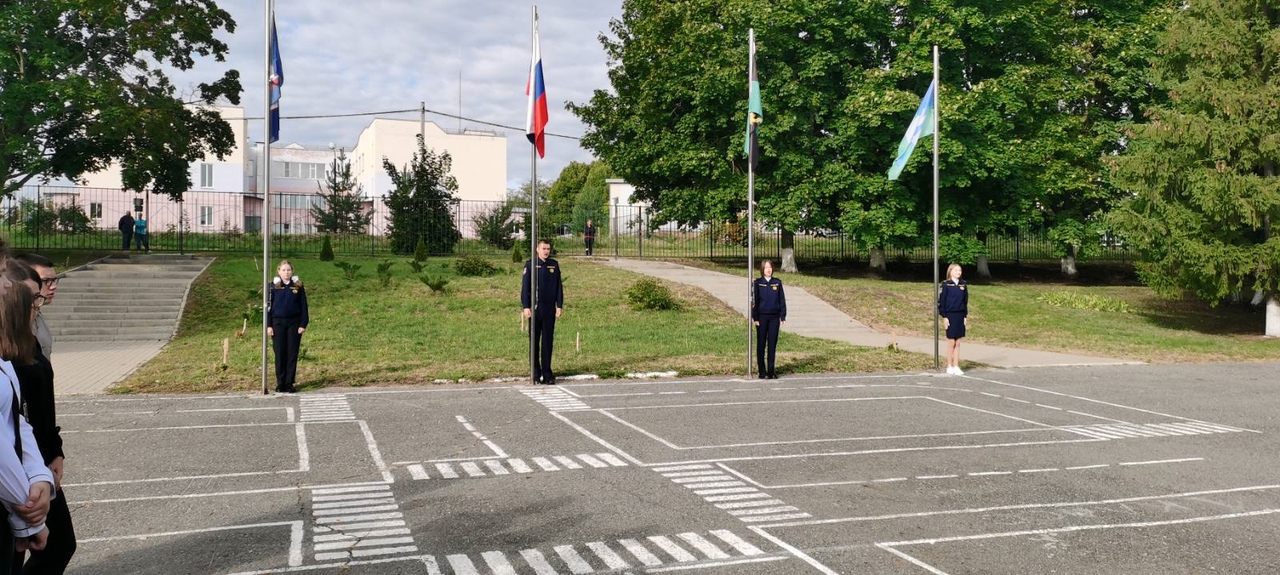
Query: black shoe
{"x": 549, "y": 381}
{"x": 762, "y": 376}
{"x": 773, "y": 376}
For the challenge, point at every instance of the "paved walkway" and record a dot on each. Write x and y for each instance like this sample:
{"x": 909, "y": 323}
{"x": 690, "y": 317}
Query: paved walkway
{"x": 90, "y": 367}
{"x": 809, "y": 316}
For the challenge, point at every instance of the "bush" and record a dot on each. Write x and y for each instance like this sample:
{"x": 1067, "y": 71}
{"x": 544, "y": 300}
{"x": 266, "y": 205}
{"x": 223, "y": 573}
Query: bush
{"x": 416, "y": 265}
{"x": 349, "y": 269}
{"x": 436, "y": 284}
{"x": 649, "y": 294}
{"x": 517, "y": 253}
{"x": 326, "y": 249}
{"x": 1078, "y": 300}
{"x": 474, "y": 266}
{"x": 384, "y": 273}
{"x": 420, "y": 251}
{"x": 726, "y": 233}
{"x": 496, "y": 227}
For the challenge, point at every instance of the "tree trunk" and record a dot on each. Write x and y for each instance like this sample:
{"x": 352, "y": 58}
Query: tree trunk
{"x": 1273, "y": 316}
{"x": 877, "y": 260}
{"x": 789, "y": 251}
{"x": 1069, "y": 266}
{"x": 984, "y": 271}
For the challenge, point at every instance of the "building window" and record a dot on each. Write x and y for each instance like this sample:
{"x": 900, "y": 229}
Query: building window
{"x": 206, "y": 175}
{"x": 95, "y": 210}
{"x": 206, "y": 215}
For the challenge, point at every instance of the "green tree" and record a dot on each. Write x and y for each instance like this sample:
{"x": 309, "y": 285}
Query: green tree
{"x": 518, "y": 198}
{"x": 593, "y": 200}
{"x": 73, "y": 220}
{"x": 83, "y": 84}
{"x": 563, "y": 193}
{"x": 1203, "y": 170}
{"x": 421, "y": 203}
{"x": 496, "y": 227}
{"x": 342, "y": 209}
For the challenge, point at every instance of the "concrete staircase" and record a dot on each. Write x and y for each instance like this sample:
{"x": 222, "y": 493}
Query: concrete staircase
{"x": 135, "y": 298}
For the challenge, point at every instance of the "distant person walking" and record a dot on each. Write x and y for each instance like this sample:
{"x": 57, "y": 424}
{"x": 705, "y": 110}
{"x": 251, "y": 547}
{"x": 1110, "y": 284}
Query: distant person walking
{"x": 953, "y": 306}
{"x": 140, "y": 234}
{"x": 543, "y": 313}
{"x": 126, "y": 231}
{"x": 768, "y": 312}
{"x": 287, "y": 320}
{"x": 589, "y": 237}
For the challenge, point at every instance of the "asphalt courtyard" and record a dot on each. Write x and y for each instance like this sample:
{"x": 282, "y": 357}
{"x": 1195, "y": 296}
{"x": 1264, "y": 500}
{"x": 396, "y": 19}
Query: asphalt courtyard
{"x": 1136, "y": 469}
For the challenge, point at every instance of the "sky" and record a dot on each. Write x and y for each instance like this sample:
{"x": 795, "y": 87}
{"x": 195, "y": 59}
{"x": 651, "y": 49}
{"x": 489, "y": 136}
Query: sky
{"x": 355, "y": 56}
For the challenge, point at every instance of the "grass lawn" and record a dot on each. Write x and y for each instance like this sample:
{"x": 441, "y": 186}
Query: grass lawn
{"x": 1008, "y": 310}
{"x": 364, "y": 334}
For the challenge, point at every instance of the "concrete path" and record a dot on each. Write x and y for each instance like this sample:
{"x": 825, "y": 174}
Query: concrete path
{"x": 809, "y": 316}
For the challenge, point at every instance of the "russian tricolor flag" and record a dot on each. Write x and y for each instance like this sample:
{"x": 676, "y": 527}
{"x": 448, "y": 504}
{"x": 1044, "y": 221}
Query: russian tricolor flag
{"x": 536, "y": 123}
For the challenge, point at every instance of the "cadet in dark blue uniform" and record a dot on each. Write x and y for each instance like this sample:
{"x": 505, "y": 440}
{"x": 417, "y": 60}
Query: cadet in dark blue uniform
{"x": 287, "y": 321}
{"x": 953, "y": 306}
{"x": 769, "y": 312}
{"x": 549, "y": 306}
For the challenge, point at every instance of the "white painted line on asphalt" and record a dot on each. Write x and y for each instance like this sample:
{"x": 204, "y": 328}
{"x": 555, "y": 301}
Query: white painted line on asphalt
{"x": 295, "y": 536}
{"x": 1049, "y": 407}
{"x": 571, "y": 558}
{"x": 498, "y": 563}
{"x": 545, "y": 464}
{"x": 496, "y": 467}
{"x": 592, "y": 461}
{"x": 385, "y": 551}
{"x": 374, "y": 453}
{"x": 717, "y": 476}
{"x": 738, "y": 497}
{"x": 667, "y": 469}
{"x": 705, "y": 547}
{"x": 913, "y": 560}
{"x": 345, "y": 535}
{"x": 1043, "y": 470}
{"x": 1157, "y": 462}
{"x": 640, "y": 552}
{"x": 704, "y": 473}
{"x": 565, "y": 461}
{"x": 519, "y": 465}
{"x": 749, "y": 503}
{"x": 352, "y": 503}
{"x": 174, "y": 428}
{"x": 737, "y": 542}
{"x": 675, "y": 551}
{"x": 359, "y": 518}
{"x": 1018, "y": 400}
{"x": 418, "y": 471}
{"x": 611, "y": 559}
{"x": 705, "y": 492}
{"x": 593, "y": 437}
{"x": 714, "y": 564}
{"x": 986, "y": 473}
{"x": 715, "y": 484}
{"x": 357, "y": 526}
{"x": 952, "y": 476}
{"x": 472, "y": 469}
{"x": 767, "y": 511}
{"x": 535, "y": 559}
{"x": 462, "y": 565}
{"x": 304, "y": 454}
{"x": 343, "y": 510}
{"x": 898, "y": 450}
{"x": 351, "y": 489}
{"x": 611, "y": 459}
{"x": 783, "y": 517}
{"x": 888, "y": 480}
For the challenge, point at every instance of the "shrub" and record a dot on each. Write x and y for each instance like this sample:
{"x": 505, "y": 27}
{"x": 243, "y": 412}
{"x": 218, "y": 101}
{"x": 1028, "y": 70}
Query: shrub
{"x": 420, "y": 251}
{"x": 416, "y": 265}
{"x": 474, "y": 266}
{"x": 326, "y": 249}
{"x": 496, "y": 227}
{"x": 436, "y": 284}
{"x": 384, "y": 273}
{"x": 517, "y": 253}
{"x": 349, "y": 269}
{"x": 1079, "y": 300}
{"x": 649, "y": 294}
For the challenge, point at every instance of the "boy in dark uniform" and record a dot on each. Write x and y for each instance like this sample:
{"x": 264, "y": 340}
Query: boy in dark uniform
{"x": 544, "y": 312}
{"x": 287, "y": 320}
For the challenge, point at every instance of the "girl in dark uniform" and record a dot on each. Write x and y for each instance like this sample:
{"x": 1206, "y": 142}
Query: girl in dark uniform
{"x": 287, "y": 320}
{"x": 953, "y": 306}
{"x": 768, "y": 312}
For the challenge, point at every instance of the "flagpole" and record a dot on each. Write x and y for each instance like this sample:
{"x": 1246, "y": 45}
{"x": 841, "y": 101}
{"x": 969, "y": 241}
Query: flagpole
{"x": 533, "y": 215}
{"x": 937, "y": 88}
{"x": 266, "y": 196}
{"x": 751, "y": 191}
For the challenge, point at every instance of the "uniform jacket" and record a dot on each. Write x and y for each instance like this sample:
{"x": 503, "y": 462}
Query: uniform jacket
{"x": 36, "y": 382}
{"x": 289, "y": 300}
{"x": 769, "y": 299}
{"x": 953, "y": 297}
{"x": 550, "y": 285}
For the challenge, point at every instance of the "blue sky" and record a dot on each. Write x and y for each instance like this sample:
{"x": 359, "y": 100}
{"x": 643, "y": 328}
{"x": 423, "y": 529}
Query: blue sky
{"x": 353, "y": 56}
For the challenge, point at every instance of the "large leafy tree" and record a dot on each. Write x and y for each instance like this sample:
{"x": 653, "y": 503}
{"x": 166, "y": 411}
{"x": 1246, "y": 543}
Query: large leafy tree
{"x": 593, "y": 200}
{"x": 422, "y": 203}
{"x": 1203, "y": 170}
{"x": 342, "y": 209}
{"x": 83, "y": 84}
{"x": 563, "y": 193}
{"x": 1031, "y": 95}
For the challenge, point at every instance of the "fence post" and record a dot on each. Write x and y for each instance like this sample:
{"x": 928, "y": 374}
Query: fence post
{"x": 640, "y": 235}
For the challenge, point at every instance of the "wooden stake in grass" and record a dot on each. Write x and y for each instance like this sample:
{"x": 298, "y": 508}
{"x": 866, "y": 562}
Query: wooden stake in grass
{"x": 523, "y": 329}
{"x": 577, "y": 342}
{"x": 226, "y": 351}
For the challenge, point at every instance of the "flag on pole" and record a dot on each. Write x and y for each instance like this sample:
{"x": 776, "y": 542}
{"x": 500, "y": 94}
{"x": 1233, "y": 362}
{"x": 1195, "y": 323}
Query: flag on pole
{"x": 536, "y": 122}
{"x": 755, "y": 114}
{"x": 921, "y": 126}
{"x": 277, "y": 80}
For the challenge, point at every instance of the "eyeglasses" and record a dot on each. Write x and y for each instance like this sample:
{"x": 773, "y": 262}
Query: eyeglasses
{"x": 53, "y": 281}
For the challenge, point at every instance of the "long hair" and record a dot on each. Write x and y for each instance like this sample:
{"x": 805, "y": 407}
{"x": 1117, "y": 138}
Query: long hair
{"x": 17, "y": 340}
{"x": 762, "y": 263}
{"x": 952, "y": 267}
{"x": 19, "y": 271}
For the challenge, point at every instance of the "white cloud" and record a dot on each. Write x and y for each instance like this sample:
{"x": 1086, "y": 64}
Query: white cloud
{"x": 352, "y": 56}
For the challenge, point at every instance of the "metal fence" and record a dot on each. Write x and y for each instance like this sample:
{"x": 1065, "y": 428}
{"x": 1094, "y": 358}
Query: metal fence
{"x": 50, "y": 218}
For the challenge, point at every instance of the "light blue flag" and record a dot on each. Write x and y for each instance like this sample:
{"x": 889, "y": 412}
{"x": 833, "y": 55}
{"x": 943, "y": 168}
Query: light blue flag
{"x": 921, "y": 126}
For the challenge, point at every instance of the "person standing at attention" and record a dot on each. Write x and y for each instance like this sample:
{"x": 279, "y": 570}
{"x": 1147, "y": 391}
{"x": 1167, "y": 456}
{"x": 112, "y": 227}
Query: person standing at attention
{"x": 287, "y": 320}
{"x": 542, "y": 313}
{"x": 126, "y": 231}
{"x": 48, "y": 290}
{"x": 140, "y": 234}
{"x": 589, "y": 236}
{"x": 768, "y": 312}
{"x": 953, "y": 306}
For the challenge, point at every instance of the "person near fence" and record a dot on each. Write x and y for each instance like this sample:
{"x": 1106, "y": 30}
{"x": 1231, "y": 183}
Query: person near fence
{"x": 589, "y": 237}
{"x": 48, "y": 289}
{"x": 768, "y": 312}
{"x": 953, "y": 306}
{"x": 287, "y": 321}
{"x": 543, "y": 313}
{"x": 35, "y": 379}
{"x": 141, "y": 239}
{"x": 126, "y": 231}
{"x": 26, "y": 484}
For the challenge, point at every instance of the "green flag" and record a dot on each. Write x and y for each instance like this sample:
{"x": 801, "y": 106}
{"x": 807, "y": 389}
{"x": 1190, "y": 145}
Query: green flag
{"x": 755, "y": 114}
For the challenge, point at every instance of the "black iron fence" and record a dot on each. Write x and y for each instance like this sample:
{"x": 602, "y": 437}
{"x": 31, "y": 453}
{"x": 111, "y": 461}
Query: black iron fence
{"x": 49, "y": 217}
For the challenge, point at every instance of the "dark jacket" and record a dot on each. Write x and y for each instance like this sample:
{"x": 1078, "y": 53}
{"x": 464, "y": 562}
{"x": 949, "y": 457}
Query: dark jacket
{"x": 589, "y": 232}
{"x": 550, "y": 285}
{"x": 289, "y": 300}
{"x": 126, "y": 223}
{"x": 36, "y": 383}
{"x": 769, "y": 299}
{"x": 953, "y": 298}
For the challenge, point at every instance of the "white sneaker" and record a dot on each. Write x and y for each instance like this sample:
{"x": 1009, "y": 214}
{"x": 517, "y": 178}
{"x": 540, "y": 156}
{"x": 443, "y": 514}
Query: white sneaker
{"x": 957, "y": 371}
{"x": 951, "y": 370}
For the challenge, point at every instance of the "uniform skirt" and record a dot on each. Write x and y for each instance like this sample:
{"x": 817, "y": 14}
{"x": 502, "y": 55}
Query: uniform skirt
{"x": 955, "y": 327}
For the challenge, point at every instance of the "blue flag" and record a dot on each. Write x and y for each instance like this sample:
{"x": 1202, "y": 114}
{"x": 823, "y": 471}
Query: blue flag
{"x": 277, "y": 79}
{"x": 921, "y": 126}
